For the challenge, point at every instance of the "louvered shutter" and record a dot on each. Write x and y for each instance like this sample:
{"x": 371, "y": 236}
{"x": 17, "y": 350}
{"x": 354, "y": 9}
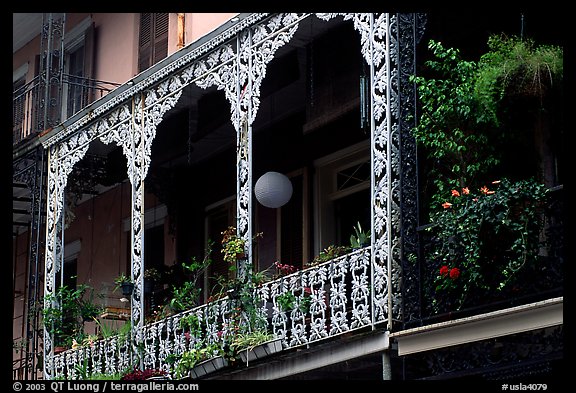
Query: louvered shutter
{"x": 153, "y": 40}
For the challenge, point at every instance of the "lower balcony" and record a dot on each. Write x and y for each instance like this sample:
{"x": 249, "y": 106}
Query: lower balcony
{"x": 318, "y": 304}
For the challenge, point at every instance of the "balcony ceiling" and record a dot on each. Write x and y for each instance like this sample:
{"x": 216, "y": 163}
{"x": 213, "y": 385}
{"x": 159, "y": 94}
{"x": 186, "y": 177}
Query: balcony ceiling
{"x": 25, "y": 26}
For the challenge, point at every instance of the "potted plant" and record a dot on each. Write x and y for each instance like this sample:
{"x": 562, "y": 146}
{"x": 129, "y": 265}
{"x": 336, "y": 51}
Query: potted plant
{"x": 151, "y": 276}
{"x": 200, "y": 360}
{"x": 65, "y": 312}
{"x": 233, "y": 247}
{"x": 125, "y": 283}
{"x": 255, "y": 345}
{"x": 360, "y": 238}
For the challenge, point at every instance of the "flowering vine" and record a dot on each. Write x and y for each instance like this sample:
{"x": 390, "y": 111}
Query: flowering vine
{"x": 482, "y": 239}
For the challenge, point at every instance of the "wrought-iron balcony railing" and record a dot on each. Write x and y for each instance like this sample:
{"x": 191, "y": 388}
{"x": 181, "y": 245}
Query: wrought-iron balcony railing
{"x": 339, "y": 302}
{"x": 35, "y": 107}
{"x": 538, "y": 279}
{"x": 340, "y": 299}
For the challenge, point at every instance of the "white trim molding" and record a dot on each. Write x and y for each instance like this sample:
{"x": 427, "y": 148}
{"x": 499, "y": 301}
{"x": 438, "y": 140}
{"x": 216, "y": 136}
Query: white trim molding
{"x": 513, "y": 320}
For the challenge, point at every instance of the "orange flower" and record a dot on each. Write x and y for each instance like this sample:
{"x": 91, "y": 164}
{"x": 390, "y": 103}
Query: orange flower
{"x": 486, "y": 191}
{"x": 455, "y": 193}
{"x": 465, "y": 191}
{"x": 446, "y": 205}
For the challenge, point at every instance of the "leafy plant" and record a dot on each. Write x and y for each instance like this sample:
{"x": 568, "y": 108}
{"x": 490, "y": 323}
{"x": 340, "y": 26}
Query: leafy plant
{"x": 189, "y": 359}
{"x": 466, "y": 107}
{"x": 360, "y": 238}
{"x": 65, "y": 311}
{"x": 516, "y": 66}
{"x": 289, "y": 301}
{"x": 454, "y": 127}
{"x": 233, "y": 247}
{"x": 121, "y": 281}
{"x": 187, "y": 295}
{"x": 249, "y": 340}
{"x": 330, "y": 252}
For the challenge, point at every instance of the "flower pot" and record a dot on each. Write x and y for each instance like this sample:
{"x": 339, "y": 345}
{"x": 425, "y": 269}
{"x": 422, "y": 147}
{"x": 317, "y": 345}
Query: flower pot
{"x": 127, "y": 288}
{"x": 261, "y": 351}
{"x": 59, "y": 349}
{"x": 208, "y": 366}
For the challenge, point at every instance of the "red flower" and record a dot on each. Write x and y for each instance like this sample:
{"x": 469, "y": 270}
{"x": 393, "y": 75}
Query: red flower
{"x": 444, "y": 270}
{"x": 446, "y": 205}
{"x": 454, "y": 273}
{"x": 455, "y": 193}
{"x": 465, "y": 191}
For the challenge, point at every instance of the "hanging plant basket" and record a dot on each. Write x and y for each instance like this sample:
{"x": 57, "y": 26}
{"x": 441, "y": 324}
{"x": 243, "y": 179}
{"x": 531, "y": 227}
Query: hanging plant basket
{"x": 127, "y": 288}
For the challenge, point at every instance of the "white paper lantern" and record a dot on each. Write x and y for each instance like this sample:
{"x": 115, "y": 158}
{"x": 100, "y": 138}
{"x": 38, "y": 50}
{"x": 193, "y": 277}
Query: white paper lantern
{"x": 273, "y": 189}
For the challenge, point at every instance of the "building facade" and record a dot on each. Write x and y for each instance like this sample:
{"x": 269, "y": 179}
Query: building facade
{"x": 147, "y": 172}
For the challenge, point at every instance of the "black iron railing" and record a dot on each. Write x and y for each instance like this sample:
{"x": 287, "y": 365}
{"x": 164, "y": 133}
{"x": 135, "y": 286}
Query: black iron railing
{"x": 28, "y": 118}
{"x": 535, "y": 282}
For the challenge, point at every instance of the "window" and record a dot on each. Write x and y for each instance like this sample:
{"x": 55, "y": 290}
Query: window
{"x": 78, "y": 89}
{"x": 343, "y": 195}
{"x": 153, "y": 41}
{"x": 18, "y": 108}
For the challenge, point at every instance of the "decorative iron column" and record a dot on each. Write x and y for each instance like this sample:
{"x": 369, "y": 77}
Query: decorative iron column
{"x": 410, "y": 31}
{"x": 49, "y": 105}
{"x": 257, "y": 46}
{"x": 61, "y": 160}
{"x": 388, "y": 44}
{"x": 30, "y": 170}
{"x": 393, "y": 39}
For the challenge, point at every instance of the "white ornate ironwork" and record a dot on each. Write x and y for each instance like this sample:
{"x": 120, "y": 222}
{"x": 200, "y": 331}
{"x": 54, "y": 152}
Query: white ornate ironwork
{"x": 349, "y": 293}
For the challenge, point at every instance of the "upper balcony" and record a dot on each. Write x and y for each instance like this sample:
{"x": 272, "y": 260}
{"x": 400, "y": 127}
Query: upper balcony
{"x": 34, "y": 105}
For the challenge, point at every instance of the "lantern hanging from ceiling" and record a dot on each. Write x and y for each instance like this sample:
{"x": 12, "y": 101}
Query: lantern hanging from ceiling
{"x": 273, "y": 189}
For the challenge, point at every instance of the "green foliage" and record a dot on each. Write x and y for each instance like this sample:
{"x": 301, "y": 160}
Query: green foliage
{"x": 191, "y": 323}
{"x": 330, "y": 252}
{"x": 187, "y": 295}
{"x": 65, "y": 312}
{"x": 233, "y": 246}
{"x": 463, "y": 104}
{"x": 453, "y": 127}
{"x": 189, "y": 359}
{"x": 516, "y": 67}
{"x": 121, "y": 280}
{"x": 249, "y": 340}
{"x": 360, "y": 238}
{"x": 288, "y": 301}
{"x": 484, "y": 238}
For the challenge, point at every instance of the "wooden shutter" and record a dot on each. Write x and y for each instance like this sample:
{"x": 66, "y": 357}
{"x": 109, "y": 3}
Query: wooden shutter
{"x": 153, "y": 40}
